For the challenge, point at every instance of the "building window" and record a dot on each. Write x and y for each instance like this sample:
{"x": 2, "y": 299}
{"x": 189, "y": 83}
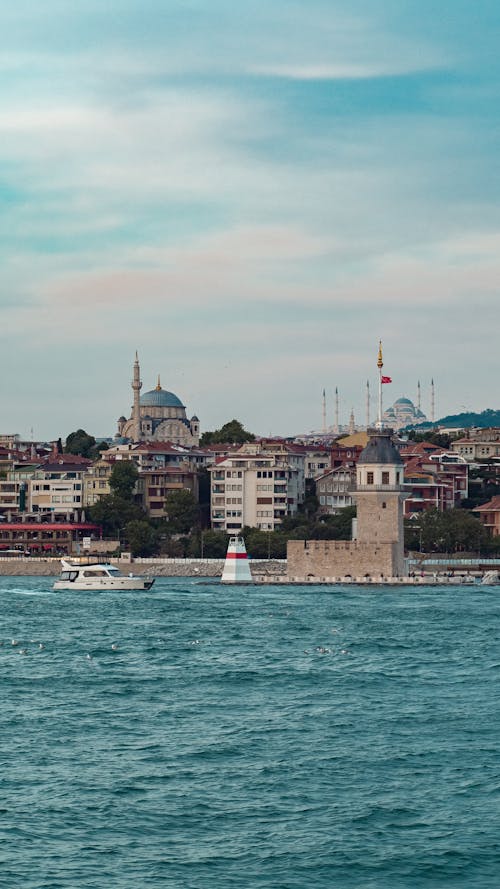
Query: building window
{"x": 369, "y": 478}
{"x": 384, "y": 505}
{"x": 385, "y": 478}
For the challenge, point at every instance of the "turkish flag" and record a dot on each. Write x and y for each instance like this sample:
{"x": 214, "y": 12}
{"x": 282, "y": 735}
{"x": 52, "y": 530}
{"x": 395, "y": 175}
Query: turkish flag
{"x": 386, "y": 380}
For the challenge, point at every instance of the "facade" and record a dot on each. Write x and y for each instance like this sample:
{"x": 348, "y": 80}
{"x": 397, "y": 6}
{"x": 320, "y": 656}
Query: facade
{"x": 35, "y": 537}
{"x": 434, "y": 478}
{"x": 489, "y": 515}
{"x": 334, "y": 489}
{"x": 14, "y": 488}
{"x": 378, "y": 550}
{"x": 158, "y": 415}
{"x": 257, "y": 486}
{"x": 478, "y": 445}
{"x": 158, "y": 483}
{"x": 96, "y": 482}
{"x": 57, "y": 486}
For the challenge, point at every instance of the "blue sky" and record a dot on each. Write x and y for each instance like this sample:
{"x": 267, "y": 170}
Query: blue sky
{"x": 251, "y": 195}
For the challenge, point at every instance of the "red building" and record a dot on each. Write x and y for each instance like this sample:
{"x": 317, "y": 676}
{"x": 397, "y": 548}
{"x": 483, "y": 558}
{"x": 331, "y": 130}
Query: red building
{"x": 56, "y": 538}
{"x": 433, "y": 478}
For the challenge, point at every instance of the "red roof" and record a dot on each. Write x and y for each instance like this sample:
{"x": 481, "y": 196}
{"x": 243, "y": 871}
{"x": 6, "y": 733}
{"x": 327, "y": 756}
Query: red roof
{"x": 493, "y": 505}
{"x": 49, "y": 526}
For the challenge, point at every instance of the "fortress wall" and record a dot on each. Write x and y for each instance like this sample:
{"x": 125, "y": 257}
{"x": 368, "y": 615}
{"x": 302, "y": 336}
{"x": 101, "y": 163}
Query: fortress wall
{"x": 337, "y": 558}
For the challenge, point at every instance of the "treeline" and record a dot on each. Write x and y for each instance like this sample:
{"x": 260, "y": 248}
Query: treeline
{"x": 483, "y": 420}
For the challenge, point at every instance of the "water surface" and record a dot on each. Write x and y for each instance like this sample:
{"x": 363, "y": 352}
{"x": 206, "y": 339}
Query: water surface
{"x": 249, "y": 737}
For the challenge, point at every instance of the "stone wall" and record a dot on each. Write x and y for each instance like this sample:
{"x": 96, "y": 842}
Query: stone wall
{"x": 338, "y": 558}
{"x": 153, "y": 568}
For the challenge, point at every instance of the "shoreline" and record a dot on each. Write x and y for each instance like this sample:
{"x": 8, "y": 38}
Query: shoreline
{"x": 264, "y": 572}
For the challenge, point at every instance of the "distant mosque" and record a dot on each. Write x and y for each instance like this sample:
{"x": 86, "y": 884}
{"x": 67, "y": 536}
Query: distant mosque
{"x": 403, "y": 413}
{"x": 158, "y": 415}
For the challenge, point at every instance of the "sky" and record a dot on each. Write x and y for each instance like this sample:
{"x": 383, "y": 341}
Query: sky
{"x": 250, "y": 195}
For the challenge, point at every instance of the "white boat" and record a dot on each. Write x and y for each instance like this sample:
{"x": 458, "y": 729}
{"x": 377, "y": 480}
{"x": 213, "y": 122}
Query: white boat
{"x": 491, "y": 577}
{"x": 98, "y": 576}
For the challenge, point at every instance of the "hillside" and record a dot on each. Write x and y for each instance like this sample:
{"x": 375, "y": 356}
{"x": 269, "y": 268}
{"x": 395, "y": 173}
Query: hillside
{"x": 483, "y": 420}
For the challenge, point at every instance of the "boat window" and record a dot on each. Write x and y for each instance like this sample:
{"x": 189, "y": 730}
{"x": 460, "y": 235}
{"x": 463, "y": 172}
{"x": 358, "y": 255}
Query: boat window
{"x": 94, "y": 574}
{"x": 69, "y": 575}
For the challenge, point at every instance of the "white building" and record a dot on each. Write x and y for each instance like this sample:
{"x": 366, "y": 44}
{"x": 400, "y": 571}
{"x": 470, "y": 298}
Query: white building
{"x": 334, "y": 489}
{"x": 257, "y": 486}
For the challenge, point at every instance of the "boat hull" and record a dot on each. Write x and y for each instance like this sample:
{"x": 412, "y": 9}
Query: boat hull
{"x": 105, "y": 583}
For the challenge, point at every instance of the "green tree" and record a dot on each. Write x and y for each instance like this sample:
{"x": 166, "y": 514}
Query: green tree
{"x": 214, "y": 545}
{"x": 80, "y": 443}
{"x": 123, "y": 479}
{"x": 141, "y": 538}
{"x": 232, "y": 432}
{"x": 113, "y": 513}
{"x": 182, "y": 511}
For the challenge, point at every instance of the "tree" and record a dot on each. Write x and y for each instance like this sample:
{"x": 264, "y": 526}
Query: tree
{"x": 113, "y": 513}
{"x": 440, "y": 439}
{"x": 141, "y": 538}
{"x": 454, "y": 530}
{"x": 123, "y": 479}
{"x": 232, "y": 432}
{"x": 182, "y": 511}
{"x": 80, "y": 443}
{"x": 214, "y": 545}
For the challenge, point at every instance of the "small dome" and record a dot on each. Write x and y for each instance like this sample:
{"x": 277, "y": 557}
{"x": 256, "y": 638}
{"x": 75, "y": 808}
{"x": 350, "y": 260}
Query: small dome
{"x": 160, "y": 398}
{"x": 404, "y": 401}
{"x": 195, "y": 419}
{"x": 380, "y": 449}
{"x": 122, "y": 419}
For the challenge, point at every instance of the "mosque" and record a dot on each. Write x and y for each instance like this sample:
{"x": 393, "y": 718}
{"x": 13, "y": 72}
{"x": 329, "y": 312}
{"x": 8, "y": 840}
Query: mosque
{"x": 157, "y": 415}
{"x": 403, "y": 413}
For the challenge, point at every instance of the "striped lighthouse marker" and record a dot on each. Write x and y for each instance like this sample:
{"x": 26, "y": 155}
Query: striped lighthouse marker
{"x": 236, "y": 567}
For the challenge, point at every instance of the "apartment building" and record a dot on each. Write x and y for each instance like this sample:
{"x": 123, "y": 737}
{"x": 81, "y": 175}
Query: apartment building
{"x": 334, "y": 489}
{"x": 57, "y": 485}
{"x": 257, "y": 487}
{"x": 478, "y": 445}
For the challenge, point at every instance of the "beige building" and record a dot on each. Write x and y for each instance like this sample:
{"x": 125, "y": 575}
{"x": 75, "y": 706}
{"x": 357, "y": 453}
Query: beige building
{"x": 479, "y": 444}
{"x": 57, "y": 486}
{"x": 96, "y": 482}
{"x": 378, "y": 550}
{"x": 256, "y": 487}
{"x": 334, "y": 489}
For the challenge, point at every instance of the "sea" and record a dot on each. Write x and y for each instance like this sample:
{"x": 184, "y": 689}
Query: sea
{"x": 208, "y": 737}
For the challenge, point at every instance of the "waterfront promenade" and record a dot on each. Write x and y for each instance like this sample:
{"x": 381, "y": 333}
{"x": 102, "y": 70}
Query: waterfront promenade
{"x": 272, "y": 571}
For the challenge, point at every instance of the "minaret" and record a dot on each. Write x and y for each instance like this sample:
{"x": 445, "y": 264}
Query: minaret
{"x": 418, "y": 396}
{"x": 136, "y": 387}
{"x": 324, "y": 412}
{"x": 352, "y": 425}
{"x": 367, "y": 404}
{"x": 433, "y": 403}
{"x": 336, "y": 426}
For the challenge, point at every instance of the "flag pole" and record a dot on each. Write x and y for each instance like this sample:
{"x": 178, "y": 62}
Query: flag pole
{"x": 380, "y": 364}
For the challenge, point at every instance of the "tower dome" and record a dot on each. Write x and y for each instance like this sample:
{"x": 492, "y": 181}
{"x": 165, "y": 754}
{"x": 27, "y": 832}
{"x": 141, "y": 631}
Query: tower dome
{"x": 380, "y": 449}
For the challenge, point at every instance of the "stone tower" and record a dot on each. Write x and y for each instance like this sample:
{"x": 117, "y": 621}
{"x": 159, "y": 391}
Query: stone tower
{"x": 136, "y": 387}
{"x": 379, "y": 496}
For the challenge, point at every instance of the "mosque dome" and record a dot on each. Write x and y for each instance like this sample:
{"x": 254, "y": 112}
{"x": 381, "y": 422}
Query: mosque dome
{"x": 160, "y": 398}
{"x": 404, "y": 402}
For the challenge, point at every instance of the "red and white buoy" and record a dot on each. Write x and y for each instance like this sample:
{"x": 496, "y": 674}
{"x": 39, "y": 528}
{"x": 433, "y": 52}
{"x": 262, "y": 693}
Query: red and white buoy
{"x": 236, "y": 567}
